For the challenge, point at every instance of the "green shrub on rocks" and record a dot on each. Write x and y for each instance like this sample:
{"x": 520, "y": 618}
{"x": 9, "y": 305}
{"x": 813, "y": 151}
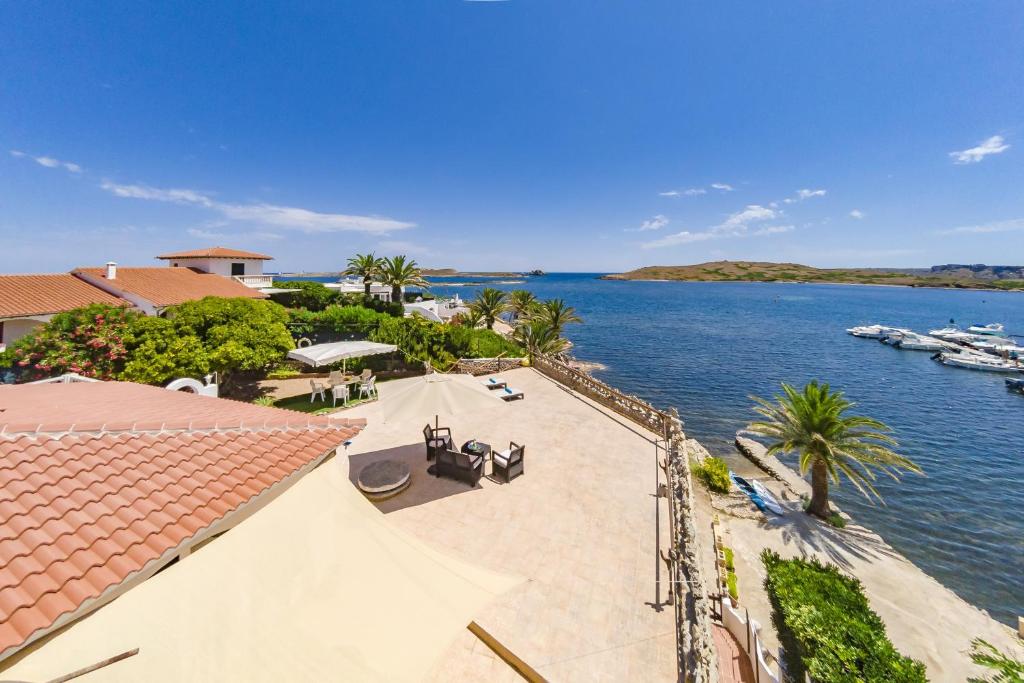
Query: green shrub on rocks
{"x": 714, "y": 473}
{"x": 826, "y": 627}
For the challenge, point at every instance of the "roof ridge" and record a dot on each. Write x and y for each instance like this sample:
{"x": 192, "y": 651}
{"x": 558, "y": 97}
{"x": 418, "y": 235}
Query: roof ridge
{"x": 60, "y": 430}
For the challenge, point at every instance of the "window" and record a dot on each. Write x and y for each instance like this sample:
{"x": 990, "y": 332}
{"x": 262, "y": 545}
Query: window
{"x": 237, "y": 269}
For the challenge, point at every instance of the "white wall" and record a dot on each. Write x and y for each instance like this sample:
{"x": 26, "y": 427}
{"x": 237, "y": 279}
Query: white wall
{"x": 736, "y": 622}
{"x": 16, "y": 328}
{"x": 219, "y": 266}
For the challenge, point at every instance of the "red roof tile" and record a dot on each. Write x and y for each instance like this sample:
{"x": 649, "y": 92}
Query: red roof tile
{"x": 44, "y": 294}
{"x": 170, "y": 286}
{"x": 82, "y": 512}
{"x": 216, "y": 252}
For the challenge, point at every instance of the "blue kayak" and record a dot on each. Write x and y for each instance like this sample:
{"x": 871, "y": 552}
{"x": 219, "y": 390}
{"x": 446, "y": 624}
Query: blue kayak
{"x": 744, "y": 485}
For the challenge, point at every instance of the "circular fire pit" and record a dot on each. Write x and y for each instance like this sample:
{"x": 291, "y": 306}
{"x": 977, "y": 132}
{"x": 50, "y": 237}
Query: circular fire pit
{"x": 383, "y": 479}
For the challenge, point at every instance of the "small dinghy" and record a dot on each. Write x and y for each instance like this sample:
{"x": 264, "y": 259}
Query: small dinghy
{"x": 1015, "y": 385}
{"x": 769, "y": 500}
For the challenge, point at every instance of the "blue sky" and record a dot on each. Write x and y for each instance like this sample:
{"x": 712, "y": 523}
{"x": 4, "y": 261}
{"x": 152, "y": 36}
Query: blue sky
{"x": 571, "y": 135}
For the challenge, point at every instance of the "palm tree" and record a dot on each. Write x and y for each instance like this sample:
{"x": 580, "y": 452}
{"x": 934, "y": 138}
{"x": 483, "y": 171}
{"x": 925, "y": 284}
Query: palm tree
{"x": 490, "y": 303}
{"x": 557, "y": 315}
{"x": 813, "y": 422}
{"x": 536, "y": 336}
{"x": 471, "y": 318}
{"x": 521, "y": 303}
{"x": 399, "y": 272}
{"x": 366, "y": 266}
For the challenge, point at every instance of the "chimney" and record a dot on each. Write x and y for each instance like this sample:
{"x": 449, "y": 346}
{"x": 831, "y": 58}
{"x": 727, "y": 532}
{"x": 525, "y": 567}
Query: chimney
{"x": 111, "y": 270}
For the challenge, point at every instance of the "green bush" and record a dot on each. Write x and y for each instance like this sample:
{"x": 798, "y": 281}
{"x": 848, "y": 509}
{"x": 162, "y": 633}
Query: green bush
{"x": 313, "y": 296}
{"x": 730, "y": 559}
{"x": 730, "y": 583}
{"x": 836, "y": 520}
{"x": 714, "y": 473}
{"x": 826, "y": 627}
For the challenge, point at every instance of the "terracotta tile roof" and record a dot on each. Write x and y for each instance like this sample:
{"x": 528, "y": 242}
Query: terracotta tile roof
{"x": 216, "y": 252}
{"x": 169, "y": 286}
{"x": 51, "y": 293}
{"x": 102, "y": 481}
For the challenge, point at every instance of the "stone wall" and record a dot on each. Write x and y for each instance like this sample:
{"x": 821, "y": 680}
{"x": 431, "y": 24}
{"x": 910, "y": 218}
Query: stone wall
{"x": 696, "y": 654}
{"x": 486, "y": 366}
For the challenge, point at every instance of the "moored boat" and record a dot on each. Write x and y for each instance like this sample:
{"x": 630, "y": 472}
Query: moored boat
{"x": 992, "y": 329}
{"x": 978, "y": 362}
{"x": 745, "y": 486}
{"x": 1015, "y": 384}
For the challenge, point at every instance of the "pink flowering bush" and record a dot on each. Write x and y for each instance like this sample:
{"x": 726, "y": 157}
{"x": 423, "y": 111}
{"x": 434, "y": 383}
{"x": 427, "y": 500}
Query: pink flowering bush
{"x": 88, "y": 341}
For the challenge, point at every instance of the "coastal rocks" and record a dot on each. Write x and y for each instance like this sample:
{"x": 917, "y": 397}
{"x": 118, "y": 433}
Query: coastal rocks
{"x": 758, "y": 454}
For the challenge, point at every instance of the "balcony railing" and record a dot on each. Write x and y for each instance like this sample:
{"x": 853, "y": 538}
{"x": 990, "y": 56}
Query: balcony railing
{"x": 256, "y": 281}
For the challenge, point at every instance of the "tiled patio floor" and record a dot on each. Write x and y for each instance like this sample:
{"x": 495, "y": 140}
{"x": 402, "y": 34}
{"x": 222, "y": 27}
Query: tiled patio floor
{"x": 579, "y": 526}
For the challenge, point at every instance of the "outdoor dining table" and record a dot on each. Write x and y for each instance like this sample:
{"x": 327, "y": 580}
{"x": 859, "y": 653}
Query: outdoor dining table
{"x": 475, "y": 447}
{"x": 341, "y": 382}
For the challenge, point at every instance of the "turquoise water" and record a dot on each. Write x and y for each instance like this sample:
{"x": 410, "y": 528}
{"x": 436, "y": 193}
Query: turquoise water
{"x": 705, "y": 347}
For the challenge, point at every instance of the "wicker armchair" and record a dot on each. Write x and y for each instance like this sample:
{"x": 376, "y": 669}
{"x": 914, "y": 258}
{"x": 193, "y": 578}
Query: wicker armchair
{"x": 437, "y": 440}
{"x": 508, "y": 464}
{"x": 462, "y": 466}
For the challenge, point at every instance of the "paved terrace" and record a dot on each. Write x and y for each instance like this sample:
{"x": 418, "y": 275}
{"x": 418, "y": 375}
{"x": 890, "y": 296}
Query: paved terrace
{"x": 579, "y": 525}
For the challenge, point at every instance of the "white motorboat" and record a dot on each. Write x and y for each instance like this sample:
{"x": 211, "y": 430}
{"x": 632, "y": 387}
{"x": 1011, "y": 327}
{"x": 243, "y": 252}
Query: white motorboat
{"x": 973, "y": 361}
{"x": 992, "y": 329}
{"x": 947, "y": 333}
{"x": 919, "y": 342}
{"x": 875, "y": 331}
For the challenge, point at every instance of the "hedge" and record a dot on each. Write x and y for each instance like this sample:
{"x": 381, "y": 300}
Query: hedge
{"x": 714, "y": 473}
{"x": 826, "y": 627}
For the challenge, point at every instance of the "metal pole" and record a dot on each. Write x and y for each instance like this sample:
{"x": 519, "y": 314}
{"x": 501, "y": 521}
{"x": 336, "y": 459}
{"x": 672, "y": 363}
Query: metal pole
{"x": 657, "y": 532}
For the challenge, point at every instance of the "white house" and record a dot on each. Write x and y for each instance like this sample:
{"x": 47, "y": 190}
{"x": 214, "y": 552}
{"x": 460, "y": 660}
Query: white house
{"x": 244, "y": 266}
{"x": 355, "y": 286}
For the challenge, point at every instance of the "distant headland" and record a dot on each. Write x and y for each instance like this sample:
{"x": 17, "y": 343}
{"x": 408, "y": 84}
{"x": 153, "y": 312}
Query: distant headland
{"x": 959, "y": 276}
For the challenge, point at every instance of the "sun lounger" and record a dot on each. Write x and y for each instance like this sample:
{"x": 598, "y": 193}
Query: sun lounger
{"x": 495, "y": 383}
{"x": 510, "y": 394}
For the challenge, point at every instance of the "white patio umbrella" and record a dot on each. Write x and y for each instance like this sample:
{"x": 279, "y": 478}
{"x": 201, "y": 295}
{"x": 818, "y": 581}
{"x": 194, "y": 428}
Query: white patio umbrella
{"x": 439, "y": 395}
{"x": 326, "y": 354}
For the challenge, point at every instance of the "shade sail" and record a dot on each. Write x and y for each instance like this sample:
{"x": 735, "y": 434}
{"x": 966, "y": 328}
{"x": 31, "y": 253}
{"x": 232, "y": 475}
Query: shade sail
{"x": 326, "y": 354}
{"x": 319, "y": 585}
{"x": 440, "y": 395}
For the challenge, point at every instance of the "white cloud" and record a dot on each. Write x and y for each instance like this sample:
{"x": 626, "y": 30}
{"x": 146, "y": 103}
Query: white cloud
{"x": 288, "y": 217}
{"x": 654, "y": 223}
{"x": 993, "y": 145}
{"x": 857, "y": 213}
{"x": 203, "y": 233}
{"x": 48, "y": 162}
{"x": 773, "y": 230}
{"x": 736, "y": 225}
{"x": 1013, "y": 225}
{"x": 807, "y": 194}
{"x": 724, "y": 187}
{"x": 689, "y": 192}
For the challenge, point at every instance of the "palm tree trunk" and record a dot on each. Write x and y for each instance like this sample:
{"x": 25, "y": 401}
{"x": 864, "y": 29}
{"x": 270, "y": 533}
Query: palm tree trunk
{"x": 396, "y": 294}
{"x": 819, "y": 490}
{"x": 366, "y": 286}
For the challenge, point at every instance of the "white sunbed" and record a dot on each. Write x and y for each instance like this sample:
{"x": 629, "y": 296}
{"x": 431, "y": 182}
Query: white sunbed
{"x": 510, "y": 394}
{"x": 495, "y": 383}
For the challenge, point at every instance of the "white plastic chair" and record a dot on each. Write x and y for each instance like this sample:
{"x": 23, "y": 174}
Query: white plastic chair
{"x": 339, "y": 391}
{"x": 316, "y": 389}
{"x": 368, "y": 388}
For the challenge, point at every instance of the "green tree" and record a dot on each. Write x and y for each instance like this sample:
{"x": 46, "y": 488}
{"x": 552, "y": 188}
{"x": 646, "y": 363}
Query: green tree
{"x": 313, "y": 296}
{"x": 366, "y": 266}
{"x": 521, "y": 303}
{"x": 399, "y": 272}
{"x": 1006, "y": 669}
{"x": 89, "y": 341}
{"x": 159, "y": 351}
{"x": 472, "y": 318}
{"x": 538, "y": 337}
{"x": 814, "y": 424}
{"x": 490, "y": 303}
{"x": 239, "y": 335}
{"x": 557, "y": 315}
